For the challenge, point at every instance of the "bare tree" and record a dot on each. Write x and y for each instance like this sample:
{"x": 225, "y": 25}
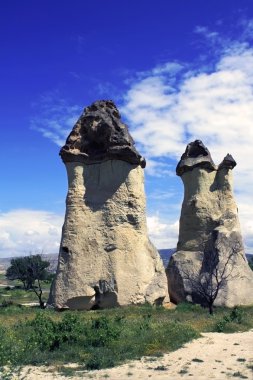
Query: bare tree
{"x": 217, "y": 269}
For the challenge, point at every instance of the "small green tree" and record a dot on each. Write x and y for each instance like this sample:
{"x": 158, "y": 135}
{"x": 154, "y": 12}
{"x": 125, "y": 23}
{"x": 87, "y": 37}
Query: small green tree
{"x": 30, "y": 270}
{"x": 18, "y": 271}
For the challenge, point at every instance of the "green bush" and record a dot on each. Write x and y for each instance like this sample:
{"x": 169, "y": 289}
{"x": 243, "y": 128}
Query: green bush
{"x": 103, "y": 331}
{"x": 6, "y": 303}
{"x": 236, "y": 316}
{"x": 101, "y": 339}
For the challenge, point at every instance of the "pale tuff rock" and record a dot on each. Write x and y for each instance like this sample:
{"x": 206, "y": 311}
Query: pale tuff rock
{"x": 106, "y": 258}
{"x": 209, "y": 230}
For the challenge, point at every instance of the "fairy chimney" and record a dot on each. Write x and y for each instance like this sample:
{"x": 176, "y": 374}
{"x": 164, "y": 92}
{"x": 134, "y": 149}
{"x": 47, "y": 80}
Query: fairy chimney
{"x": 209, "y": 233}
{"x": 106, "y": 258}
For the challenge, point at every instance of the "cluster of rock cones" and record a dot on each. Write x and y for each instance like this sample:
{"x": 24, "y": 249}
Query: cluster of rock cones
{"x": 106, "y": 258}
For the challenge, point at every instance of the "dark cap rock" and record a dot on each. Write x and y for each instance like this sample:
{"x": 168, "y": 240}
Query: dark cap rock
{"x": 196, "y": 154}
{"x": 99, "y": 135}
{"x": 228, "y": 162}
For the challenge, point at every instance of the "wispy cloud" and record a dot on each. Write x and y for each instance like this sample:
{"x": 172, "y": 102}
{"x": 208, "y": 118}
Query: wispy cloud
{"x": 54, "y": 117}
{"x": 162, "y": 233}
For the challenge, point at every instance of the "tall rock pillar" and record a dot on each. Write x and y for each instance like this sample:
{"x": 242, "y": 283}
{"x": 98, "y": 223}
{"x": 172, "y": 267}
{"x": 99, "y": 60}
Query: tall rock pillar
{"x": 106, "y": 258}
{"x": 209, "y": 230}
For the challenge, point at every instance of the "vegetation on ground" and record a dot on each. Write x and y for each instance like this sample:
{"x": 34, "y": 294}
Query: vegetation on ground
{"x": 31, "y": 271}
{"x": 13, "y": 292}
{"x": 105, "y": 338}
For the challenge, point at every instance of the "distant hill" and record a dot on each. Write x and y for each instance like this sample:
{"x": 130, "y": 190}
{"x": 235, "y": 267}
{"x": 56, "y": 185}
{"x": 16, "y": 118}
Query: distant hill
{"x": 166, "y": 254}
{"x": 53, "y": 259}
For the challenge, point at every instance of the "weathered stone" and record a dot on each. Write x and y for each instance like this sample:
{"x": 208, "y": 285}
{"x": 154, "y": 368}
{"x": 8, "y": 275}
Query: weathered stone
{"x": 99, "y": 135}
{"x": 196, "y": 154}
{"x": 106, "y": 258}
{"x": 209, "y": 230}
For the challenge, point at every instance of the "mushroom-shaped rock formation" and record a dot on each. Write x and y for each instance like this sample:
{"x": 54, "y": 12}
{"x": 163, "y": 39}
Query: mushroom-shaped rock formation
{"x": 210, "y": 239}
{"x": 106, "y": 258}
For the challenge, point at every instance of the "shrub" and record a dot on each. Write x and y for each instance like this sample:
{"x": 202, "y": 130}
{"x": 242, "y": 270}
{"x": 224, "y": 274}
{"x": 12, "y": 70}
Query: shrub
{"x": 103, "y": 331}
{"x": 101, "y": 339}
{"x": 235, "y": 316}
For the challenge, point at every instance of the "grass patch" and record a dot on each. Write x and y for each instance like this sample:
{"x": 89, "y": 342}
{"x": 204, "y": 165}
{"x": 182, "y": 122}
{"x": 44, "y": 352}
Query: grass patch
{"x": 99, "y": 339}
{"x": 12, "y": 291}
{"x": 105, "y": 338}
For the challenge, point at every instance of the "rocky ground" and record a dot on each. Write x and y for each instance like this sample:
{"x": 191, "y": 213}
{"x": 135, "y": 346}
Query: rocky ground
{"x": 213, "y": 356}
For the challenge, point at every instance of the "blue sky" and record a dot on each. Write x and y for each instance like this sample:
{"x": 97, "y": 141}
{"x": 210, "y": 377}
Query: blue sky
{"x": 177, "y": 70}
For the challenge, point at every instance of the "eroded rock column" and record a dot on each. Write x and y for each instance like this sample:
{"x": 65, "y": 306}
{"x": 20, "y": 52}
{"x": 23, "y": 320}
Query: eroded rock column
{"x": 209, "y": 230}
{"x": 106, "y": 258}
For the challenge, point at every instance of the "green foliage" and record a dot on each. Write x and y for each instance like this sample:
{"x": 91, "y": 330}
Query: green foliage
{"x": 28, "y": 270}
{"x": 226, "y": 323}
{"x": 6, "y": 303}
{"x": 103, "y": 331}
{"x": 17, "y": 295}
{"x": 102, "y": 339}
{"x": 18, "y": 271}
{"x": 99, "y": 342}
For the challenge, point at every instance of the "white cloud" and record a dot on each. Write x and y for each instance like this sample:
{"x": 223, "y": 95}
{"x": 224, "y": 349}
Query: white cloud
{"x": 245, "y": 209}
{"x": 211, "y": 103}
{"x": 161, "y": 233}
{"x": 24, "y": 231}
{"x": 215, "y": 107}
{"x": 158, "y": 169}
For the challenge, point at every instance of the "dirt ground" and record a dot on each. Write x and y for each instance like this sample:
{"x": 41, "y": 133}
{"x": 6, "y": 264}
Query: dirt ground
{"x": 213, "y": 356}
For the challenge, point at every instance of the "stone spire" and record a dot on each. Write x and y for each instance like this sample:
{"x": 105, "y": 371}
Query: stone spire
{"x": 106, "y": 258}
{"x": 208, "y": 223}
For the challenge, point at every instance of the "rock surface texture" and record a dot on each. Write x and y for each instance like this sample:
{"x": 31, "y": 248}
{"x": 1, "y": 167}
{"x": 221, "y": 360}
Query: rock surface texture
{"x": 209, "y": 234}
{"x": 106, "y": 258}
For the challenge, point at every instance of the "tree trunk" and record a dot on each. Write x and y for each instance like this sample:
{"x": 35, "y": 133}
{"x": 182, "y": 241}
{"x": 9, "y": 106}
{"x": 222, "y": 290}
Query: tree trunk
{"x": 210, "y": 307}
{"x": 39, "y": 295}
{"x": 42, "y": 304}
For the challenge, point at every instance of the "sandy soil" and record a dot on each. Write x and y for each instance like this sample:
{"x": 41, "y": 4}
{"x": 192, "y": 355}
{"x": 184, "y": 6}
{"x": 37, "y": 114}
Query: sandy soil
{"x": 213, "y": 356}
